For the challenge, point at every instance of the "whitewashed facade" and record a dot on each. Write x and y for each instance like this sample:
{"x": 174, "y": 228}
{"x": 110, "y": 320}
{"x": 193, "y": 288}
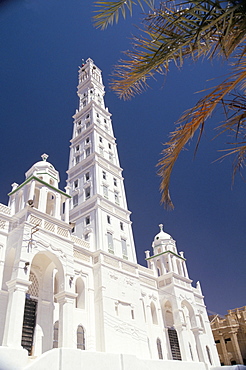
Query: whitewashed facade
{"x": 72, "y": 294}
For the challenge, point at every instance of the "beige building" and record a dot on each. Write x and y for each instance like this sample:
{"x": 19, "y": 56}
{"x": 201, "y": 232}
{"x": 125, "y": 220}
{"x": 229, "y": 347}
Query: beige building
{"x": 230, "y": 336}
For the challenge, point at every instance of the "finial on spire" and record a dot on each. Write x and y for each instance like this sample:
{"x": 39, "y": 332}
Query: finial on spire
{"x": 44, "y": 157}
{"x": 161, "y": 227}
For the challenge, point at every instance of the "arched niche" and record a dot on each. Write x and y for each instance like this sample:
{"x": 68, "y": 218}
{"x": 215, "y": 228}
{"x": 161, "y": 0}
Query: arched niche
{"x": 188, "y": 314}
{"x": 153, "y": 313}
{"x": 80, "y": 290}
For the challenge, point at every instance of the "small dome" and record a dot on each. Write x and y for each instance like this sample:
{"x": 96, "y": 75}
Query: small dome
{"x": 44, "y": 170}
{"x": 162, "y": 235}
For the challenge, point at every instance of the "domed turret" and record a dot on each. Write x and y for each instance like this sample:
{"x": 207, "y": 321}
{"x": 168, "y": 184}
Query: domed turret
{"x": 44, "y": 171}
{"x": 161, "y": 236}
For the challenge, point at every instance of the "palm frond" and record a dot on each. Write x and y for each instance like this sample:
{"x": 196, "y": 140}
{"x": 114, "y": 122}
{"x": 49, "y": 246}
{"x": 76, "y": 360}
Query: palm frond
{"x": 195, "y": 119}
{"x": 173, "y": 34}
{"x": 109, "y": 11}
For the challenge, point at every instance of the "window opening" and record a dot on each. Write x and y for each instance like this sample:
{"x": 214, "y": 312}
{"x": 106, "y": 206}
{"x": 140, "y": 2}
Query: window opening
{"x": 87, "y": 176}
{"x": 159, "y": 349}
{"x": 105, "y": 191}
{"x": 87, "y": 192}
{"x": 121, "y": 226}
{"x": 104, "y": 175}
{"x": 75, "y": 200}
{"x": 115, "y": 181}
{"x": 110, "y": 242}
{"x": 108, "y": 220}
{"x": 76, "y": 184}
{"x": 80, "y": 338}
{"x": 87, "y": 220}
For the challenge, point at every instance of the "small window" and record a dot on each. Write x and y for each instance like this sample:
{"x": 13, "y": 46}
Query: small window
{"x": 104, "y": 175}
{"x": 116, "y": 198}
{"x": 97, "y": 115}
{"x": 132, "y": 314}
{"x": 110, "y": 242}
{"x": 105, "y": 121}
{"x": 87, "y": 140}
{"x": 101, "y": 150}
{"x": 87, "y": 152}
{"x": 124, "y": 247}
{"x": 108, "y": 220}
{"x": 110, "y": 157}
{"x": 79, "y": 131}
{"x": 115, "y": 181}
{"x": 87, "y": 220}
{"x": 75, "y": 200}
{"x": 87, "y": 192}
{"x": 87, "y": 124}
{"x": 100, "y": 139}
{"x": 86, "y": 236}
{"x": 79, "y": 123}
{"x": 77, "y": 159}
{"x": 76, "y": 184}
{"x": 88, "y": 116}
{"x": 109, "y": 145}
{"x": 77, "y": 148}
{"x": 122, "y": 226}
{"x": 87, "y": 176}
{"x": 105, "y": 191}
{"x": 84, "y": 103}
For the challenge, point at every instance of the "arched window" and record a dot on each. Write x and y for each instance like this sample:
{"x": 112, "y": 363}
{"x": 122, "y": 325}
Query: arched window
{"x": 159, "y": 349}
{"x": 80, "y": 337}
{"x": 55, "y": 334}
{"x": 80, "y": 290}
{"x": 209, "y": 355}
{"x": 153, "y": 313}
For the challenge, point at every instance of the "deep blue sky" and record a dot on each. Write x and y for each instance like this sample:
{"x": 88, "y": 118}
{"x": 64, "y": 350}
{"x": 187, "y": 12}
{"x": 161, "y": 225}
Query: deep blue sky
{"x": 42, "y": 44}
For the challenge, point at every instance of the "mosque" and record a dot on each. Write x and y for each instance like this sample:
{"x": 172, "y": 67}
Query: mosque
{"x": 72, "y": 293}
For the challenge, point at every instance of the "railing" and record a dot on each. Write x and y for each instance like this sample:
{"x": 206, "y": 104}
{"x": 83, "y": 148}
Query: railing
{"x": 4, "y": 209}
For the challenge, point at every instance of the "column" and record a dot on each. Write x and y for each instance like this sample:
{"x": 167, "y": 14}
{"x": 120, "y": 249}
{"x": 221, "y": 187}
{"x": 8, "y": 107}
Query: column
{"x": 239, "y": 359}
{"x": 224, "y": 350}
{"x": 31, "y": 191}
{"x": 67, "y": 201}
{"x": 58, "y": 206}
{"x": 66, "y": 305}
{"x": 14, "y": 319}
{"x": 42, "y": 204}
{"x": 200, "y": 353}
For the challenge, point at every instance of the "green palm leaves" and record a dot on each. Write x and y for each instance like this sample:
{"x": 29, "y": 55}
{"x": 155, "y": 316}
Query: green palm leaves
{"x": 176, "y": 31}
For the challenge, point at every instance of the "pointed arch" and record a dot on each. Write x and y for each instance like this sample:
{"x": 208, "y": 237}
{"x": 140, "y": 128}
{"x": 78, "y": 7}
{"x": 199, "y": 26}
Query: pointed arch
{"x": 189, "y": 314}
{"x": 81, "y": 337}
{"x": 55, "y": 334}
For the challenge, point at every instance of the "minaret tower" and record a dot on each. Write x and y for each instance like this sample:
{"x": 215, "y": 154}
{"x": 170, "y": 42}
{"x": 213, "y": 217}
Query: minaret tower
{"x": 98, "y": 208}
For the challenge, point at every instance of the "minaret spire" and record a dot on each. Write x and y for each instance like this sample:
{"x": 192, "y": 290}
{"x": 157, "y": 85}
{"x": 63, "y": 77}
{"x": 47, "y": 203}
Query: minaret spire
{"x": 99, "y": 207}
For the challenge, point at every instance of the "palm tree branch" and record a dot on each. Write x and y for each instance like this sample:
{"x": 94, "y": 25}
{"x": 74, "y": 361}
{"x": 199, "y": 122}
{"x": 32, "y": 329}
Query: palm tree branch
{"x": 173, "y": 36}
{"x": 189, "y": 123}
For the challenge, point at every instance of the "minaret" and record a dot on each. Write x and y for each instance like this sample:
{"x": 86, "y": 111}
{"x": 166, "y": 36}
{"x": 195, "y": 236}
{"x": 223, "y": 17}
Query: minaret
{"x": 98, "y": 208}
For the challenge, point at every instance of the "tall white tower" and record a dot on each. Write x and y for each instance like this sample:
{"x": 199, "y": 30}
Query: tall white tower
{"x": 98, "y": 208}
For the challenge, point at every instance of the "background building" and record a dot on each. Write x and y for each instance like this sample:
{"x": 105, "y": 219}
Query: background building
{"x": 72, "y": 293}
{"x": 230, "y": 336}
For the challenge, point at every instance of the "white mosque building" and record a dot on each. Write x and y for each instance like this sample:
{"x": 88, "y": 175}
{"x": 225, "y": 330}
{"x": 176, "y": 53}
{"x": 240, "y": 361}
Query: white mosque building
{"x": 72, "y": 293}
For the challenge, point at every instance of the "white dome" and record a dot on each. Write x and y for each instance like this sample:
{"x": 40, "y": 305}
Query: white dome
{"x": 162, "y": 235}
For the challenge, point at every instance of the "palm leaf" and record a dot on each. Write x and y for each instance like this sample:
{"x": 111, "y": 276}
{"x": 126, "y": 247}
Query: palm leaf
{"x": 109, "y": 11}
{"x": 195, "y": 119}
{"x": 172, "y": 34}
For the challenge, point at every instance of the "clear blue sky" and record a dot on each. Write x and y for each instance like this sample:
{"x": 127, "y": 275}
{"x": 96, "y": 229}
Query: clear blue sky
{"x": 42, "y": 44}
